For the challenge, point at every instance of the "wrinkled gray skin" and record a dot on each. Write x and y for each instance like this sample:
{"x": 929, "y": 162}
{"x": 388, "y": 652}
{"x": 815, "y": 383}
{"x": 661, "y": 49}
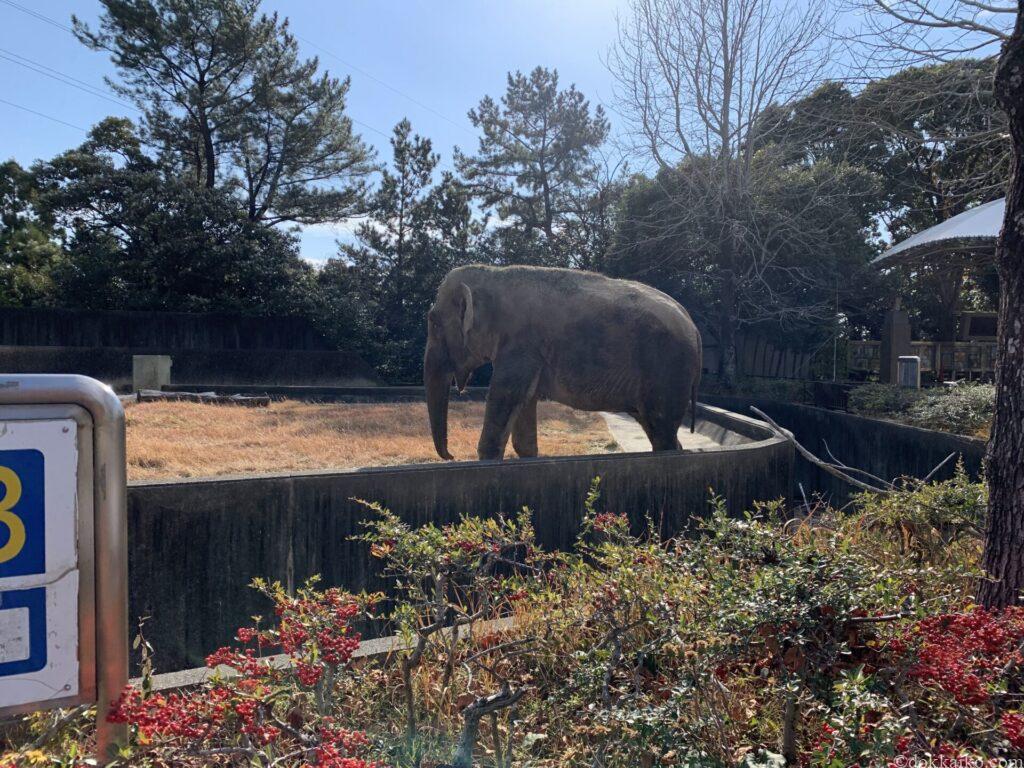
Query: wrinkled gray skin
{"x": 578, "y": 338}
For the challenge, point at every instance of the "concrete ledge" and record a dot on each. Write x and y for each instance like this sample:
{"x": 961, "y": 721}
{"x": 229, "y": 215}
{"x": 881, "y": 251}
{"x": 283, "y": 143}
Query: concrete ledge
{"x": 379, "y": 646}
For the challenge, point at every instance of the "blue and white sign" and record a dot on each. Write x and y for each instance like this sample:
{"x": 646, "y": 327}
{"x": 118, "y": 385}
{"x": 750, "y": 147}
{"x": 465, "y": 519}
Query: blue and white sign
{"x": 39, "y": 565}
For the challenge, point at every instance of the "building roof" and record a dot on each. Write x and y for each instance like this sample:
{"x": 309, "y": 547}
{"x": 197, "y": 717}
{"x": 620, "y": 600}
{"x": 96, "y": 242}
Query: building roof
{"x": 976, "y": 229}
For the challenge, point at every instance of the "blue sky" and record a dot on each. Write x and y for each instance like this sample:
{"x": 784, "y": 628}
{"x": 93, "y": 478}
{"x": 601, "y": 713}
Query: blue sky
{"x": 428, "y": 61}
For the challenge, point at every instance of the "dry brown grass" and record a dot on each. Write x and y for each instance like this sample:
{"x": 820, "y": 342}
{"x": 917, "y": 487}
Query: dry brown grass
{"x": 168, "y": 440}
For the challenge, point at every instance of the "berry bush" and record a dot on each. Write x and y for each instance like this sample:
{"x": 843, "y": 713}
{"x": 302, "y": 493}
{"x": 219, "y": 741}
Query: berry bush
{"x": 836, "y": 639}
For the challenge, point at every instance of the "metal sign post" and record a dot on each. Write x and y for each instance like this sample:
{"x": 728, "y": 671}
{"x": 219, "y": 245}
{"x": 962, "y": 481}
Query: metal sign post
{"x": 63, "y": 548}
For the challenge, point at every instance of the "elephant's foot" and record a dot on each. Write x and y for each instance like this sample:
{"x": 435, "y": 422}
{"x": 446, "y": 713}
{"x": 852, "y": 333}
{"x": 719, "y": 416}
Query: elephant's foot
{"x": 490, "y": 454}
{"x": 663, "y": 433}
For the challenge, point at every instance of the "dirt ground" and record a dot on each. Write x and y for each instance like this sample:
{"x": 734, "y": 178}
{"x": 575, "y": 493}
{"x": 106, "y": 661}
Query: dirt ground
{"x": 170, "y": 440}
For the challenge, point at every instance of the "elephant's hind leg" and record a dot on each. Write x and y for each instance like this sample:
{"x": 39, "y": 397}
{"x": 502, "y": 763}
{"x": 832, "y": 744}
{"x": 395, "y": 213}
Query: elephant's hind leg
{"x": 524, "y": 430}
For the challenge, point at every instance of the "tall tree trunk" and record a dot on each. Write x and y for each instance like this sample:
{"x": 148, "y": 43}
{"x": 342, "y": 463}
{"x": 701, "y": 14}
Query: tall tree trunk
{"x": 727, "y": 299}
{"x": 727, "y": 330}
{"x": 950, "y": 291}
{"x": 209, "y": 152}
{"x": 211, "y": 157}
{"x": 197, "y": 157}
{"x": 1004, "y": 541}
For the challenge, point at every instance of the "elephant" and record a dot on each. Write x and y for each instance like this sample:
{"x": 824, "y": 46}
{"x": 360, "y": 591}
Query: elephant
{"x": 579, "y": 338}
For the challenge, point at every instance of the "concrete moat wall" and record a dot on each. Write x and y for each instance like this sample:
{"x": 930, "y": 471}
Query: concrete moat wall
{"x": 883, "y": 448}
{"x": 194, "y": 546}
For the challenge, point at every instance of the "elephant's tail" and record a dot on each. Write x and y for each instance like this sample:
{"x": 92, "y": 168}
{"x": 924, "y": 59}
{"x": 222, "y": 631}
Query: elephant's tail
{"x": 693, "y": 407}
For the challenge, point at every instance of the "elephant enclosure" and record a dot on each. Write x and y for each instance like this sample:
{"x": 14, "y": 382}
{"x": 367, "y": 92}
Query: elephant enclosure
{"x": 176, "y": 440}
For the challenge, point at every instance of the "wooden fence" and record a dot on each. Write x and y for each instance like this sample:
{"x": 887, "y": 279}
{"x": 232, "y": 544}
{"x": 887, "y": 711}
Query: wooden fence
{"x": 756, "y": 356}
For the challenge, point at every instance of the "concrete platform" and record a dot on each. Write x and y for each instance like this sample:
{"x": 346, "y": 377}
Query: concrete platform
{"x": 631, "y": 437}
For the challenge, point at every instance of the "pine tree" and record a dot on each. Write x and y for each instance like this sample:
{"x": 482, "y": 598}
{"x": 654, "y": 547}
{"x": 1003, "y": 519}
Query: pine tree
{"x": 416, "y": 233}
{"x": 28, "y": 251}
{"x": 135, "y": 237}
{"x": 226, "y": 98}
{"x": 536, "y": 166}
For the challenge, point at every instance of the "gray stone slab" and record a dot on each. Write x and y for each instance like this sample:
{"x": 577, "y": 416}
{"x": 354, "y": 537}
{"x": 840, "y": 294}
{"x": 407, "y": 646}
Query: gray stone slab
{"x": 631, "y": 438}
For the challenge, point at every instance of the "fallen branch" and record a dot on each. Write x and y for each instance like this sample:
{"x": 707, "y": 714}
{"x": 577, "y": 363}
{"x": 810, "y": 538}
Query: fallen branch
{"x": 58, "y": 725}
{"x": 839, "y": 470}
{"x": 847, "y": 468}
{"x": 831, "y": 469}
{"x": 876, "y": 619}
{"x": 941, "y": 464}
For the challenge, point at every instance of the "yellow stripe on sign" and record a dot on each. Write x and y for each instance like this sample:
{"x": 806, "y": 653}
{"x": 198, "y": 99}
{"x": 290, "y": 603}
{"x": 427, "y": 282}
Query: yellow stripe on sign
{"x": 12, "y": 495}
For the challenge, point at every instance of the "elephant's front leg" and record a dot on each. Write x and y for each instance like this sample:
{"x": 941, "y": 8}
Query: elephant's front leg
{"x": 513, "y": 387}
{"x": 524, "y": 430}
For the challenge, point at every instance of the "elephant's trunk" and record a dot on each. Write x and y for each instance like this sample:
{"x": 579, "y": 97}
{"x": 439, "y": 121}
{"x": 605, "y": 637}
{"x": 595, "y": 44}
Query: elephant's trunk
{"x": 437, "y": 380}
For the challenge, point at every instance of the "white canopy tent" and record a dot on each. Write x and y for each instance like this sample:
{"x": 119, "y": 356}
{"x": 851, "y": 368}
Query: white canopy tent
{"x": 953, "y": 246}
{"x": 973, "y": 230}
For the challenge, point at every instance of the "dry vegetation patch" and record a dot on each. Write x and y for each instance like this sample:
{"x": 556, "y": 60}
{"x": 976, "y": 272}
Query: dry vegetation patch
{"x": 167, "y": 440}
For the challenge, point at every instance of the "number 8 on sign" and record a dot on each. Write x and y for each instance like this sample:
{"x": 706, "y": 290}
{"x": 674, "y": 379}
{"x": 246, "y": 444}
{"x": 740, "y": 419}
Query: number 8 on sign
{"x": 22, "y": 513}
{"x": 15, "y": 525}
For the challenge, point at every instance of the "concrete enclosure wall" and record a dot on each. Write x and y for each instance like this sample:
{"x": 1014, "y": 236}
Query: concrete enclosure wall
{"x": 883, "y": 448}
{"x": 194, "y": 546}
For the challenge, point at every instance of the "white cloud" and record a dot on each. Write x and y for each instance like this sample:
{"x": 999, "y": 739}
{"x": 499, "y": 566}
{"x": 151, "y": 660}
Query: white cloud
{"x": 343, "y": 228}
{"x": 319, "y": 242}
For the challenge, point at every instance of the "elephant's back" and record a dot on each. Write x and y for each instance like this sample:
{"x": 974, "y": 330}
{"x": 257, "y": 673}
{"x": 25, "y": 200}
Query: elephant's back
{"x": 563, "y": 305}
{"x": 654, "y": 319}
{"x": 616, "y": 340}
{"x": 581, "y": 290}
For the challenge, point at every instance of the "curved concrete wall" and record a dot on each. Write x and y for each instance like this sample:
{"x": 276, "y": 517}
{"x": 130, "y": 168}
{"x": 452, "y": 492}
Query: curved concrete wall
{"x": 195, "y": 545}
{"x": 883, "y": 448}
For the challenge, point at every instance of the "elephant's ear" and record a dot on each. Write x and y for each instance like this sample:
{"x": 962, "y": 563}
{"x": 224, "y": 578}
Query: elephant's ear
{"x": 467, "y": 310}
